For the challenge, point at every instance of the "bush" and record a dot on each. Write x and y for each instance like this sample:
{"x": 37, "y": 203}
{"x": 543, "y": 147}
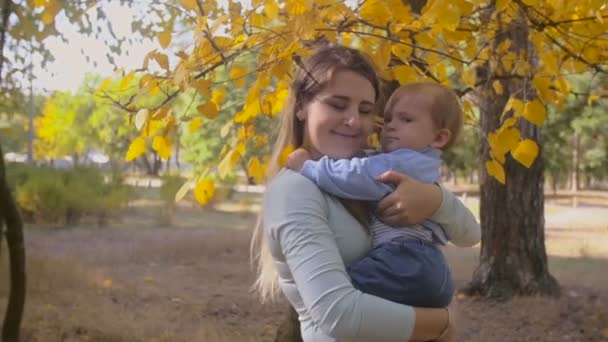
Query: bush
{"x": 170, "y": 185}
{"x": 47, "y": 195}
{"x": 42, "y": 198}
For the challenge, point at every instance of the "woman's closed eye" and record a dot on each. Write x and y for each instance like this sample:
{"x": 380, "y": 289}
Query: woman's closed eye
{"x": 365, "y": 111}
{"x": 339, "y": 106}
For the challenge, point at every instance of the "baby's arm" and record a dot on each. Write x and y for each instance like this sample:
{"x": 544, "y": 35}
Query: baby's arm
{"x": 356, "y": 178}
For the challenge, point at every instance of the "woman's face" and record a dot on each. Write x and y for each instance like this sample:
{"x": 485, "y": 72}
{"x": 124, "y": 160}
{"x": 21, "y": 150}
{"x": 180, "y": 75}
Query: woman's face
{"x": 338, "y": 119}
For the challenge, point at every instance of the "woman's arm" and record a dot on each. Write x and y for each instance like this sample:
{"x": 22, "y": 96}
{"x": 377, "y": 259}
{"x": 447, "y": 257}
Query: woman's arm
{"x": 458, "y": 222}
{"x": 295, "y": 222}
{"x": 414, "y": 202}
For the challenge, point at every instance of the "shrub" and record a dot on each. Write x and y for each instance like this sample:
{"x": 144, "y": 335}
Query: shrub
{"x": 170, "y": 185}
{"x": 48, "y": 195}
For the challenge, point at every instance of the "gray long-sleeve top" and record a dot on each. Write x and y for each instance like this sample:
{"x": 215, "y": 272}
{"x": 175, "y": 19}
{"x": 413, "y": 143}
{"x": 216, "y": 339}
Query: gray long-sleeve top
{"x": 312, "y": 236}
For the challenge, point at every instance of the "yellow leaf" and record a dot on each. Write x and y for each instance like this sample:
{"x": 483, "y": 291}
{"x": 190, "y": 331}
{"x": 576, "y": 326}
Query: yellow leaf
{"x": 469, "y": 76}
{"x": 260, "y": 141}
{"x": 508, "y": 138}
{"x": 141, "y": 118}
{"x": 209, "y": 110}
{"x": 107, "y": 283}
{"x": 146, "y": 81}
{"x": 151, "y": 128}
{"x": 516, "y": 105}
{"x": 160, "y": 113}
{"x": 195, "y": 124}
{"x": 218, "y": 95}
{"x": 562, "y": 85}
{"x": 227, "y": 164}
{"x": 204, "y": 191}
{"x": 402, "y": 51}
{"x": 189, "y": 4}
{"x": 498, "y": 155}
{"x": 161, "y": 145}
{"x": 285, "y": 154}
{"x": 449, "y": 18}
{"x": 164, "y": 38}
{"x": 497, "y": 87}
{"x": 591, "y": 99}
{"x": 39, "y": 3}
{"x": 226, "y": 129}
{"x": 202, "y": 86}
{"x": 183, "y": 190}
{"x": 240, "y": 148}
{"x": 535, "y": 112}
{"x": 496, "y": 170}
{"x": 382, "y": 57}
{"x": 126, "y": 80}
{"x": 526, "y": 152}
{"x": 105, "y": 84}
{"x": 280, "y": 97}
{"x": 405, "y": 74}
{"x": 376, "y": 11}
{"x": 238, "y": 75}
{"x": 136, "y": 149}
{"x": 162, "y": 60}
{"x": 271, "y": 8}
{"x": 47, "y": 17}
{"x": 543, "y": 88}
{"x": 255, "y": 170}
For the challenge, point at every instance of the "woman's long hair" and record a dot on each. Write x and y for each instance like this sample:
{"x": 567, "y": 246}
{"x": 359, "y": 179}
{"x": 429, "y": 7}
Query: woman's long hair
{"x": 312, "y": 75}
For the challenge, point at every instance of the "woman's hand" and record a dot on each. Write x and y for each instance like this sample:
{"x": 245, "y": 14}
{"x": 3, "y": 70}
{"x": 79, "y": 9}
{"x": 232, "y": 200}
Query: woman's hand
{"x": 411, "y": 202}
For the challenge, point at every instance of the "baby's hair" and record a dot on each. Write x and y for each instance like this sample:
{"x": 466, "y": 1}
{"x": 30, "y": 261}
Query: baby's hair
{"x": 444, "y": 104}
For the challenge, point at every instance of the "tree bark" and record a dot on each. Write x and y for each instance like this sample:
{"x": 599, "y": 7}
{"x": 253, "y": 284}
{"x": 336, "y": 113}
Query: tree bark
{"x": 574, "y": 176}
{"x": 513, "y": 260}
{"x": 9, "y": 216}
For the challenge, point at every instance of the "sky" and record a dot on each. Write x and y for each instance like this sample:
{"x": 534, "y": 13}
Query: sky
{"x": 70, "y": 65}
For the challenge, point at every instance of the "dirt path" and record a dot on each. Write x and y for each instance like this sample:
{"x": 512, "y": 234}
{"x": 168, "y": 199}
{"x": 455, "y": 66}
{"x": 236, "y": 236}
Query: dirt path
{"x": 140, "y": 282}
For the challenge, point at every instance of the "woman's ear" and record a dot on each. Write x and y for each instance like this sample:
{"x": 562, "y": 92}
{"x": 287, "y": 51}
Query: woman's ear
{"x": 442, "y": 138}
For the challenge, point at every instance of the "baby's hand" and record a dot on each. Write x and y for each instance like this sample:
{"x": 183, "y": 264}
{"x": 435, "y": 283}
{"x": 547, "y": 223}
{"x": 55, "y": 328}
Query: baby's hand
{"x": 296, "y": 159}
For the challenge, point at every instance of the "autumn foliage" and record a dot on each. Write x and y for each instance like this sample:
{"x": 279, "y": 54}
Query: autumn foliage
{"x": 446, "y": 41}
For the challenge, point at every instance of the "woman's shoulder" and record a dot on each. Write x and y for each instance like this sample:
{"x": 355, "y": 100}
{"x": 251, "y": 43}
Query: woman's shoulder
{"x": 289, "y": 189}
{"x": 291, "y": 180}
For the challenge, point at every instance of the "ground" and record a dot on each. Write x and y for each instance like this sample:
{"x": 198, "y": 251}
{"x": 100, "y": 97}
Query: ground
{"x": 138, "y": 280}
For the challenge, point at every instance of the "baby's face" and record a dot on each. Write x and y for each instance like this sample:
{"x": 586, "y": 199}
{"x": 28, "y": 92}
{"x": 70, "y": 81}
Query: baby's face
{"x": 408, "y": 125}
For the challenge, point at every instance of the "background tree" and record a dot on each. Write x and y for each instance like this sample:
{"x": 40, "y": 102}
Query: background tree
{"x": 509, "y": 58}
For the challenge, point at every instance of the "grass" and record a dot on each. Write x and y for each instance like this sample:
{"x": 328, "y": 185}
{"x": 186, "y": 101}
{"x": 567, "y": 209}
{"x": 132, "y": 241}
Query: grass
{"x": 137, "y": 280}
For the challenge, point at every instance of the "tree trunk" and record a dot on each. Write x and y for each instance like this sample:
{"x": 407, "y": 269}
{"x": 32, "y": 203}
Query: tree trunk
{"x": 588, "y": 180}
{"x": 9, "y": 216}
{"x": 574, "y": 176}
{"x": 513, "y": 260}
{"x": 554, "y": 182}
{"x": 158, "y": 163}
{"x": 177, "y": 149}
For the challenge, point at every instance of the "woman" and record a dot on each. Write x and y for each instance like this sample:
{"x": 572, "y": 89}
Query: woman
{"x": 307, "y": 236}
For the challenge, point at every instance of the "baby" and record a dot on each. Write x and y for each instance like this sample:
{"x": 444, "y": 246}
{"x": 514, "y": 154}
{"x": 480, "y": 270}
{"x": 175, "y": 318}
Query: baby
{"x": 406, "y": 265}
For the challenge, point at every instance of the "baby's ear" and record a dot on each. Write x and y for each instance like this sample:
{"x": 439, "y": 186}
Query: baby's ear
{"x": 442, "y": 138}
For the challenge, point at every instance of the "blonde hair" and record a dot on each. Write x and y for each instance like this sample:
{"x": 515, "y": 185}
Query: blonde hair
{"x": 312, "y": 75}
{"x": 444, "y": 105}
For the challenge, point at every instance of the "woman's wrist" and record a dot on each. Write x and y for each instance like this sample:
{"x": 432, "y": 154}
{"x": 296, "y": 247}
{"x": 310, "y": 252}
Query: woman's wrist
{"x": 445, "y": 331}
{"x": 430, "y": 324}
